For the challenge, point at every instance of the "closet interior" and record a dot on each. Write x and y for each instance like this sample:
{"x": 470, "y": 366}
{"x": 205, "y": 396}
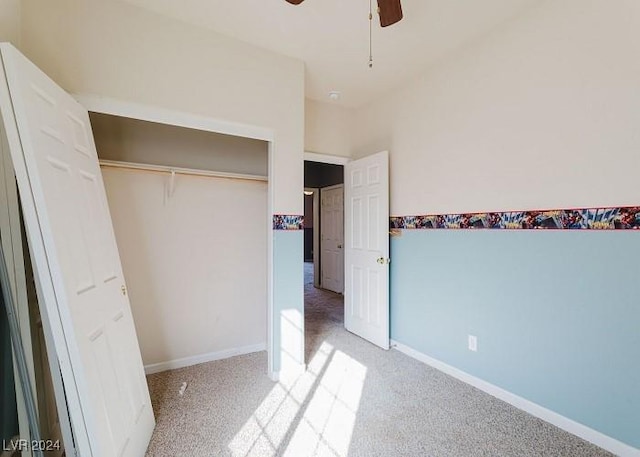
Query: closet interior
{"x": 189, "y": 210}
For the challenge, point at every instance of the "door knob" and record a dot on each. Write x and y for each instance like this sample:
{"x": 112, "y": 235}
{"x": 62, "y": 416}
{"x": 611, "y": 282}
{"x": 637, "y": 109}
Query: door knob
{"x": 339, "y": 246}
{"x": 124, "y": 290}
{"x": 382, "y": 260}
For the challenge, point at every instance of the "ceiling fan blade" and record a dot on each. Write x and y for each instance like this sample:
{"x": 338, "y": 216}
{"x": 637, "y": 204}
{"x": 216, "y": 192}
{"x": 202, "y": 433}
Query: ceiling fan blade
{"x": 390, "y": 12}
{"x": 295, "y": 2}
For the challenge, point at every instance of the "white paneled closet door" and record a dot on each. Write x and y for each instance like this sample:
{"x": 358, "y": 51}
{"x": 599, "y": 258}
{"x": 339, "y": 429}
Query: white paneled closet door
{"x": 76, "y": 261}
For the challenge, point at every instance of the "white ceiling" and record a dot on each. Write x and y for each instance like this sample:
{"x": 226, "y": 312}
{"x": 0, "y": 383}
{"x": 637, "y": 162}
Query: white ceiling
{"x": 332, "y": 36}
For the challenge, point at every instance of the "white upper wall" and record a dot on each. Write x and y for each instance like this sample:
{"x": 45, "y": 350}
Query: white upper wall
{"x": 328, "y": 128}
{"x": 543, "y": 113}
{"x": 117, "y": 50}
{"x": 10, "y": 21}
{"x": 331, "y": 36}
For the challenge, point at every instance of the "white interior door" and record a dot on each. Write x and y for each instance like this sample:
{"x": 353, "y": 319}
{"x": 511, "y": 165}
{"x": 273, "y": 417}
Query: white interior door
{"x": 367, "y": 248}
{"x": 332, "y": 237}
{"x": 76, "y": 261}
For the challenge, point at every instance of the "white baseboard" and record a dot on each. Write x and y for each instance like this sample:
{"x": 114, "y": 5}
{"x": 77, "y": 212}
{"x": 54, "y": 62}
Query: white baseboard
{"x": 203, "y": 358}
{"x": 573, "y": 427}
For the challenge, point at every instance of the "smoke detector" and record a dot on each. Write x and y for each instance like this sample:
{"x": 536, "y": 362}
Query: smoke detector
{"x": 334, "y": 95}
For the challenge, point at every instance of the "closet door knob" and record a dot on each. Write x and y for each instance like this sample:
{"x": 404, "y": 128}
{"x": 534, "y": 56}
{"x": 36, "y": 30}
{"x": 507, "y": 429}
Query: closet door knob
{"x": 124, "y": 290}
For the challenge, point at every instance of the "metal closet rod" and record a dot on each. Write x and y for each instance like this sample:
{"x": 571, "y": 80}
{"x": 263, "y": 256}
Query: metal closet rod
{"x": 179, "y": 170}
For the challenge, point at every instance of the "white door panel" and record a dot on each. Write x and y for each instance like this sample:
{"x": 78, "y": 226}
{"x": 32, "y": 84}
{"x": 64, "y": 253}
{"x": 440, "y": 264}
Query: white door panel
{"x": 66, "y": 208}
{"x": 332, "y": 237}
{"x": 367, "y": 248}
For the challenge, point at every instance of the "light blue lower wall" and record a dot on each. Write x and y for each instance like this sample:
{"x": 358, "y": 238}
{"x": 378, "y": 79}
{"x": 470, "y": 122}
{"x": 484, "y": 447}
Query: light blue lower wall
{"x": 556, "y": 313}
{"x": 288, "y": 297}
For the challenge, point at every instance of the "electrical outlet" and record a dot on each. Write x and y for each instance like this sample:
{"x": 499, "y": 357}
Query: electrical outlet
{"x": 473, "y": 343}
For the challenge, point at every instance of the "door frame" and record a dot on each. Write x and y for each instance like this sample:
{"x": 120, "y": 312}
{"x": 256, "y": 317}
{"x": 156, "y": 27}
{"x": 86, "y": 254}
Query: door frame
{"x": 15, "y": 257}
{"x": 115, "y": 107}
{"x": 10, "y": 221}
{"x": 332, "y": 160}
{"x": 316, "y": 234}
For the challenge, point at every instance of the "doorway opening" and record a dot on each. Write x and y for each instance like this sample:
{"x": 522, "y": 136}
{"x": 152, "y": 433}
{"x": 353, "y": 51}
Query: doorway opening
{"x": 186, "y": 207}
{"x": 323, "y": 251}
{"x": 324, "y": 223}
{"x": 357, "y": 252}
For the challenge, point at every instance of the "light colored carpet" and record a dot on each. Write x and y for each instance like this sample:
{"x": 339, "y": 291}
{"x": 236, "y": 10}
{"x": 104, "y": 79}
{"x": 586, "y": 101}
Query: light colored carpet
{"x": 354, "y": 400}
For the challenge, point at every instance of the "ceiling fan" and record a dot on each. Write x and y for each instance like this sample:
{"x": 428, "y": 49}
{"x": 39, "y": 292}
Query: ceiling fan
{"x": 390, "y": 11}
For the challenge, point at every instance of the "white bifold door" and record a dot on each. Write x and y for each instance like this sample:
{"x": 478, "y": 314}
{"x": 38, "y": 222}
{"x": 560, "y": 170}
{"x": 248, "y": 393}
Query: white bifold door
{"x": 76, "y": 261}
{"x": 367, "y": 248}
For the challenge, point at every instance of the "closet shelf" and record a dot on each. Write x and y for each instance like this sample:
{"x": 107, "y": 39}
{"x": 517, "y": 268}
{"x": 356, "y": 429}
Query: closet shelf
{"x": 179, "y": 170}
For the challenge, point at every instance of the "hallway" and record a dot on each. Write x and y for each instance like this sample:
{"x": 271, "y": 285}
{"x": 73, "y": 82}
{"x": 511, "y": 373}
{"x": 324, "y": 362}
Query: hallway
{"x": 323, "y": 313}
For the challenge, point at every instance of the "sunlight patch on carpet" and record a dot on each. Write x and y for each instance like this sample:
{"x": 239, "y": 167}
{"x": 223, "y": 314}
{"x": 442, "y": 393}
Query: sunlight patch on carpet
{"x": 313, "y": 414}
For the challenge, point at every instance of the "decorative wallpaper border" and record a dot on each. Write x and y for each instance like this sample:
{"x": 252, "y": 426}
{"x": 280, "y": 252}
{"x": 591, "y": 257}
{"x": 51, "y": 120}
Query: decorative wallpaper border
{"x": 287, "y": 222}
{"x": 619, "y": 218}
